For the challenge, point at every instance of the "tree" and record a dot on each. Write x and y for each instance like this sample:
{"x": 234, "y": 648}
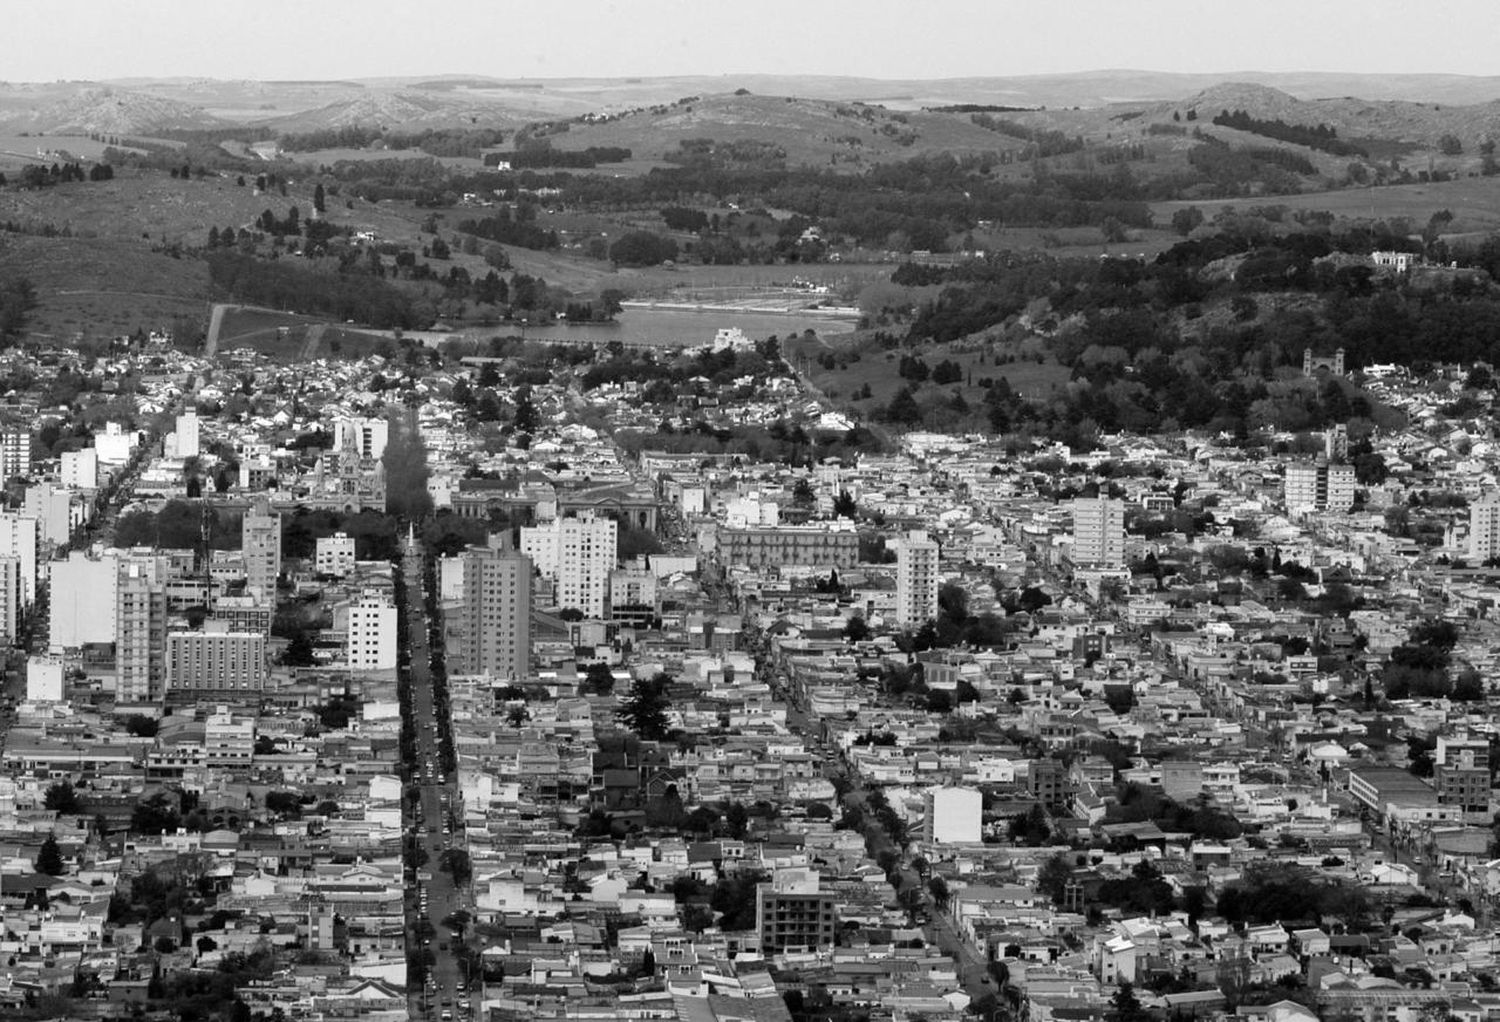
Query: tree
{"x": 844, "y": 505}
{"x": 455, "y": 861}
{"x": 49, "y": 860}
{"x": 526, "y": 420}
{"x": 1125, "y": 1006}
{"x": 318, "y": 199}
{"x": 599, "y": 679}
{"x": 1185, "y": 220}
{"x": 856, "y": 629}
{"x": 61, "y": 798}
{"x": 642, "y": 248}
{"x": 644, "y": 710}
{"x": 139, "y": 725}
{"x": 1450, "y": 145}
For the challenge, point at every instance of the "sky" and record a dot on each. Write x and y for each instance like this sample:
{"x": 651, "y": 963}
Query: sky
{"x": 325, "y": 39}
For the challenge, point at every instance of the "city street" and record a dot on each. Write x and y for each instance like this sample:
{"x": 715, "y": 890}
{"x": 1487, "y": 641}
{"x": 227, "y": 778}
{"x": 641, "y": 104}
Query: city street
{"x": 439, "y": 799}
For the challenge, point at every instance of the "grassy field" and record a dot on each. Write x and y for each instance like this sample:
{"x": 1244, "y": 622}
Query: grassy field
{"x": 104, "y": 287}
{"x": 16, "y": 151}
{"x": 860, "y": 361}
{"x": 1474, "y": 202}
{"x": 286, "y": 335}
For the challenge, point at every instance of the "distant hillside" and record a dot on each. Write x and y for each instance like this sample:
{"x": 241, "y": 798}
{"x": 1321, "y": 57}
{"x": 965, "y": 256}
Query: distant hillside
{"x": 99, "y": 109}
{"x": 1422, "y": 123}
{"x": 405, "y": 110}
{"x": 1417, "y": 107}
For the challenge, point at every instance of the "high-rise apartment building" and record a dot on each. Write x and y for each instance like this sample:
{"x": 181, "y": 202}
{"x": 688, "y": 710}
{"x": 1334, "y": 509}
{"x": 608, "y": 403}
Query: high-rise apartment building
{"x": 334, "y": 555}
{"x": 15, "y": 454}
{"x": 187, "y": 434}
{"x": 916, "y": 579}
{"x": 1099, "y": 532}
{"x": 366, "y": 436}
{"x": 260, "y": 546}
{"x": 372, "y": 635}
{"x": 10, "y": 599}
{"x": 140, "y": 633}
{"x": 1320, "y": 486}
{"x": 18, "y": 538}
{"x": 1484, "y": 529}
{"x": 954, "y": 816}
{"x": 792, "y": 912}
{"x": 578, "y": 554}
{"x": 81, "y": 599}
{"x": 215, "y": 663}
{"x": 55, "y": 509}
{"x": 496, "y": 613}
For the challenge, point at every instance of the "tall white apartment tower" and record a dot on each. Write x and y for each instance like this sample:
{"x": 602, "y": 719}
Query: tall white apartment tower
{"x": 10, "y": 599}
{"x": 140, "y": 633}
{"x": 372, "y": 634}
{"x": 1099, "y": 531}
{"x": 260, "y": 546}
{"x": 187, "y": 434}
{"x": 916, "y": 579}
{"x": 18, "y": 538}
{"x": 15, "y": 454}
{"x": 496, "y": 613}
{"x": 1484, "y": 529}
{"x": 579, "y": 553}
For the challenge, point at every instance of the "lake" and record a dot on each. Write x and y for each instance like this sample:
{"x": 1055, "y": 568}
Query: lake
{"x": 667, "y": 328}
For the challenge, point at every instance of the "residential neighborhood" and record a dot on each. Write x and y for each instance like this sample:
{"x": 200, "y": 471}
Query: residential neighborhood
{"x": 515, "y": 685}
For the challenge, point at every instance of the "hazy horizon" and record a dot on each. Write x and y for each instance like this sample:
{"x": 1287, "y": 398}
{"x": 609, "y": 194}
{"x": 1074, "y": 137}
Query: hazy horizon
{"x": 342, "y": 39}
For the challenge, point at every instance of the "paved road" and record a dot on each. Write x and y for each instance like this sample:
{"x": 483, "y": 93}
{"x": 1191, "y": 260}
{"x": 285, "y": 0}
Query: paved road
{"x": 442, "y": 897}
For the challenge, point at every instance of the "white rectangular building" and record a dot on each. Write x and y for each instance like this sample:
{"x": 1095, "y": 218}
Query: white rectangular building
{"x": 335, "y": 555}
{"x": 44, "y": 679}
{"x": 10, "y": 599}
{"x": 215, "y": 662}
{"x": 18, "y": 538}
{"x": 15, "y": 454}
{"x": 954, "y": 816}
{"x": 578, "y": 554}
{"x": 187, "y": 434}
{"x": 367, "y": 436}
{"x": 372, "y": 635}
{"x": 1099, "y": 532}
{"x": 80, "y": 469}
{"x": 916, "y": 579}
{"x": 114, "y": 444}
{"x": 82, "y": 600}
{"x": 260, "y": 546}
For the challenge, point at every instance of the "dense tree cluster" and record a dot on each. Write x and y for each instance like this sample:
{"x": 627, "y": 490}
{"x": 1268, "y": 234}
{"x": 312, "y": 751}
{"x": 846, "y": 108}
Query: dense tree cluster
{"x": 1320, "y": 137}
{"x": 538, "y": 154}
{"x": 509, "y": 228}
{"x": 297, "y": 287}
{"x": 1044, "y": 142}
{"x": 17, "y": 298}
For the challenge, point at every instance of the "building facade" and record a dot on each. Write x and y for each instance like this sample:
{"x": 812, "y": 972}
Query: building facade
{"x": 334, "y": 555}
{"x": 214, "y": 663}
{"x": 496, "y": 613}
{"x": 1322, "y": 486}
{"x": 578, "y": 554}
{"x": 1099, "y": 531}
{"x": 372, "y": 635}
{"x": 260, "y": 546}
{"x": 812, "y": 546}
{"x": 140, "y": 634}
{"x": 916, "y": 580}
